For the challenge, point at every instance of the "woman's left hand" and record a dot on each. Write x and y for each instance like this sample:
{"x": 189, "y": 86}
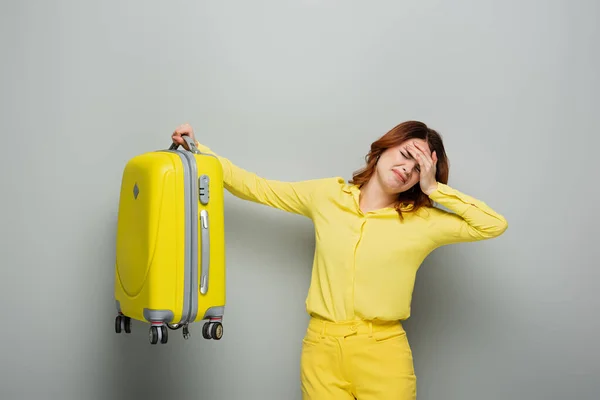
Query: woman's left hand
{"x": 427, "y": 165}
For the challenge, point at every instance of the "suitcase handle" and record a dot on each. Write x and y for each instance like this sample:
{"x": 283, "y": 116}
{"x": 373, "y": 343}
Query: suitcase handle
{"x": 205, "y": 251}
{"x": 189, "y": 142}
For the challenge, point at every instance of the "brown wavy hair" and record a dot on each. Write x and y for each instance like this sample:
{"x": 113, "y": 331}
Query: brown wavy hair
{"x": 400, "y": 133}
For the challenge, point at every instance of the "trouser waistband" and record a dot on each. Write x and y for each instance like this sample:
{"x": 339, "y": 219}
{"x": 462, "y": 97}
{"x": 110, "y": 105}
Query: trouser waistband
{"x": 347, "y": 328}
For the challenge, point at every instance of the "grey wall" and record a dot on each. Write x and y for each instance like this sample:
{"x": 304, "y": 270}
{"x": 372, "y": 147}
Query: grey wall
{"x": 279, "y": 87}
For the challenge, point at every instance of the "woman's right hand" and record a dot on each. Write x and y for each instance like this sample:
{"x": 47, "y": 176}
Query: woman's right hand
{"x": 182, "y": 130}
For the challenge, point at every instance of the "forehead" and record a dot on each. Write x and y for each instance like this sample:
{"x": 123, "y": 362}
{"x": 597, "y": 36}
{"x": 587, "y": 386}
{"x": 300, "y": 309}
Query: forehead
{"x": 422, "y": 143}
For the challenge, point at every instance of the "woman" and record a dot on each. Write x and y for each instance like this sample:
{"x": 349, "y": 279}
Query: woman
{"x": 372, "y": 234}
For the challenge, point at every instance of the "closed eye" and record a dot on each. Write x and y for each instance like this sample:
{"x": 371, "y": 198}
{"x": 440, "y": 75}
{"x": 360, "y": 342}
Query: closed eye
{"x": 410, "y": 157}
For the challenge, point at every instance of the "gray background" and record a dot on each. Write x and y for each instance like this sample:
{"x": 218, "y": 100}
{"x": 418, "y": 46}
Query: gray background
{"x": 296, "y": 90}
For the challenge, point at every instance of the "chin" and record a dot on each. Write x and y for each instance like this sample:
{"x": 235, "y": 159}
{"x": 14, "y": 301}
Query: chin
{"x": 404, "y": 188}
{"x": 396, "y": 189}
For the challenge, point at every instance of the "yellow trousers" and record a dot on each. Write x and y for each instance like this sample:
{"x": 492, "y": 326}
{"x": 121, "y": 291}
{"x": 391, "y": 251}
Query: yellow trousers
{"x": 357, "y": 360}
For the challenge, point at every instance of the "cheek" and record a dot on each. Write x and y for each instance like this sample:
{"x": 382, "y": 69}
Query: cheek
{"x": 383, "y": 165}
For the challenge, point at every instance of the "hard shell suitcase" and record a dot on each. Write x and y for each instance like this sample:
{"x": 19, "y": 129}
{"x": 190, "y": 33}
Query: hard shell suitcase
{"x": 170, "y": 244}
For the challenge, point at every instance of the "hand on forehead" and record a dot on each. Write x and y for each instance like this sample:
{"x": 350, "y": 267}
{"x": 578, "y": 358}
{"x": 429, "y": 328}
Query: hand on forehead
{"x": 420, "y": 143}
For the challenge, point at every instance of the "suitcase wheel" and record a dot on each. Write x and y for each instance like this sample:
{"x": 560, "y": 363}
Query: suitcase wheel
{"x": 158, "y": 333}
{"x": 122, "y": 323}
{"x": 212, "y": 330}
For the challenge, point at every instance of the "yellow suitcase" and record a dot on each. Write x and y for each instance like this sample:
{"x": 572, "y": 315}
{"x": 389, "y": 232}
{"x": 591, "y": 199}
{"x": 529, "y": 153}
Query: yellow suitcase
{"x": 170, "y": 244}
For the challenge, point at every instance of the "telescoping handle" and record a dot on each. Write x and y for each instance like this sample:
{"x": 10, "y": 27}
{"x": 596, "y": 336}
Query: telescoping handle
{"x": 189, "y": 142}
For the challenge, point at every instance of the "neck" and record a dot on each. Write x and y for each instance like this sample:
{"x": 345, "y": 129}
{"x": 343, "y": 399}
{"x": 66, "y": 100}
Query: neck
{"x": 373, "y": 197}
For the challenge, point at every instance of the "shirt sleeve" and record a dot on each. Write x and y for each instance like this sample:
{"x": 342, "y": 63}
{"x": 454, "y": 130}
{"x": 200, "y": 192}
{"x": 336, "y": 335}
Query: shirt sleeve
{"x": 469, "y": 220}
{"x": 293, "y": 197}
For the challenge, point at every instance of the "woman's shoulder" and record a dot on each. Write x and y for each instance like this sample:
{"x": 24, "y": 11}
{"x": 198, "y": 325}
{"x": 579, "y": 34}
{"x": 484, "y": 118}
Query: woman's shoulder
{"x": 332, "y": 189}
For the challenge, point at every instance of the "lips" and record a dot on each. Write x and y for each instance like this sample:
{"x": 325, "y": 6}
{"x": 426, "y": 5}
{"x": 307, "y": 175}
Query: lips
{"x": 400, "y": 176}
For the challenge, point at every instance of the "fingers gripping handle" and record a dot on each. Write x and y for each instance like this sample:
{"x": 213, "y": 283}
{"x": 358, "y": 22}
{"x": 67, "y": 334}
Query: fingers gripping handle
{"x": 190, "y": 143}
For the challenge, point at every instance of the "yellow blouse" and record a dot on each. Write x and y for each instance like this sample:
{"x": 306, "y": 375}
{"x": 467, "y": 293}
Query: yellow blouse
{"x": 365, "y": 264}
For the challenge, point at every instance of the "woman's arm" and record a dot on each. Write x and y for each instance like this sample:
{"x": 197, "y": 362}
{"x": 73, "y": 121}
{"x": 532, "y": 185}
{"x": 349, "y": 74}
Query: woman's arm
{"x": 470, "y": 219}
{"x": 294, "y": 197}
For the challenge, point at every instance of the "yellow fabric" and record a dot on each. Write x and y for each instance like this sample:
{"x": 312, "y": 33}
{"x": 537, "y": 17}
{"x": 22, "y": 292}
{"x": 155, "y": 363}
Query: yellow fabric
{"x": 365, "y": 264}
{"x": 362, "y": 360}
